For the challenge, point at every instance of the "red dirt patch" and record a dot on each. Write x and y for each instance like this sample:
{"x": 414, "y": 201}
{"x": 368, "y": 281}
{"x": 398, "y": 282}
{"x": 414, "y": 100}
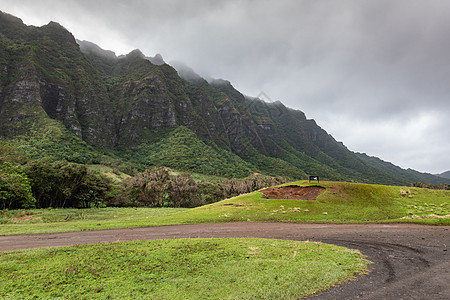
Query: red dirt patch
{"x": 293, "y": 192}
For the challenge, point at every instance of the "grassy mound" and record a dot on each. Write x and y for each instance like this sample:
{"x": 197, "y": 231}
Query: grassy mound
{"x": 341, "y": 202}
{"x": 178, "y": 269}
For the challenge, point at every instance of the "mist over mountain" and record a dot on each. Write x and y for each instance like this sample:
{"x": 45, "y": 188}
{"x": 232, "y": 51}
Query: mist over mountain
{"x": 445, "y": 175}
{"x": 76, "y": 101}
{"x": 92, "y": 49}
{"x": 187, "y": 73}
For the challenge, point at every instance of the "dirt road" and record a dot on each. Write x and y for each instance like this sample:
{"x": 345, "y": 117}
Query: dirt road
{"x": 410, "y": 261}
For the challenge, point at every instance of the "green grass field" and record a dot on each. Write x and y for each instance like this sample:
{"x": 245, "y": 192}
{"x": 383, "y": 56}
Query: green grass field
{"x": 178, "y": 269}
{"x": 32, "y": 221}
{"x": 340, "y": 203}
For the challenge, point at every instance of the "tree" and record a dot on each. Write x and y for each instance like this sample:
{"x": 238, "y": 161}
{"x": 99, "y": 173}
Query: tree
{"x": 183, "y": 191}
{"x": 15, "y": 186}
{"x": 64, "y": 184}
{"x": 148, "y": 188}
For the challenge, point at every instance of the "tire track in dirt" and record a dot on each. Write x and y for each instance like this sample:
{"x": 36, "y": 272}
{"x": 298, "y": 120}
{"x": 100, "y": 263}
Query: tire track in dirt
{"x": 410, "y": 261}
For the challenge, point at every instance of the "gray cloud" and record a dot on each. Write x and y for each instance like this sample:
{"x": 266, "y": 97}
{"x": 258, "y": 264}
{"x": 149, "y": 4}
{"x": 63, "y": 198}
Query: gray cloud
{"x": 375, "y": 73}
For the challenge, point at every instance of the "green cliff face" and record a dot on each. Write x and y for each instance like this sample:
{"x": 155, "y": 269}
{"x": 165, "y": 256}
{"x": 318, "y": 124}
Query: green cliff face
{"x": 68, "y": 100}
{"x": 46, "y": 76}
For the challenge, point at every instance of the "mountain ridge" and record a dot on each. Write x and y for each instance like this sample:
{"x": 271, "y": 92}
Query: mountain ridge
{"x": 129, "y": 104}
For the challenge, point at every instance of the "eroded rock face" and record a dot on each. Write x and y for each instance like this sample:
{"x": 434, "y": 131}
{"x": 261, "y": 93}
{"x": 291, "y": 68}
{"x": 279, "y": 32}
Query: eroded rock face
{"x": 26, "y": 89}
{"x": 18, "y": 102}
{"x": 58, "y": 105}
{"x": 151, "y": 114}
{"x": 30, "y": 95}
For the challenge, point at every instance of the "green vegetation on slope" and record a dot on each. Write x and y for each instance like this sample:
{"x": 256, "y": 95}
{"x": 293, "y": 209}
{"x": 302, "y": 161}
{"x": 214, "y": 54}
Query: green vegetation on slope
{"x": 94, "y": 215}
{"x": 178, "y": 269}
{"x": 180, "y": 149}
{"x": 39, "y": 136}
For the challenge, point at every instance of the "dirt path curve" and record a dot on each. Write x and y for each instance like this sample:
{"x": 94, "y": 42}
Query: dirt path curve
{"x": 410, "y": 261}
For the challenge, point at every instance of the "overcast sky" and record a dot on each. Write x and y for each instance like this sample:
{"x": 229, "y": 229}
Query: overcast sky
{"x": 375, "y": 74}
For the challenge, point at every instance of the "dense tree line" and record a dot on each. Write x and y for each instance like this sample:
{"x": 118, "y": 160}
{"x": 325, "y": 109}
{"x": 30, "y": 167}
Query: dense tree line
{"x": 45, "y": 183}
{"x": 157, "y": 188}
{"x": 42, "y": 183}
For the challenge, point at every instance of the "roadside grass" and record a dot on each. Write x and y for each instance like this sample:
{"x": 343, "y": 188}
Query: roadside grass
{"x": 178, "y": 269}
{"x": 341, "y": 202}
{"x": 33, "y": 221}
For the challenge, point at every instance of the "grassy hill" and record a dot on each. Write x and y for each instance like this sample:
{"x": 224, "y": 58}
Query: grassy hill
{"x": 340, "y": 202}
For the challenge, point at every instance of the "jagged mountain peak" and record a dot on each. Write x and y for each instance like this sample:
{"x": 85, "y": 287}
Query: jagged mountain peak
{"x": 220, "y": 82}
{"x": 89, "y": 48}
{"x": 12, "y": 27}
{"x": 55, "y": 25}
{"x": 136, "y": 53}
{"x": 58, "y": 33}
{"x": 156, "y": 60}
